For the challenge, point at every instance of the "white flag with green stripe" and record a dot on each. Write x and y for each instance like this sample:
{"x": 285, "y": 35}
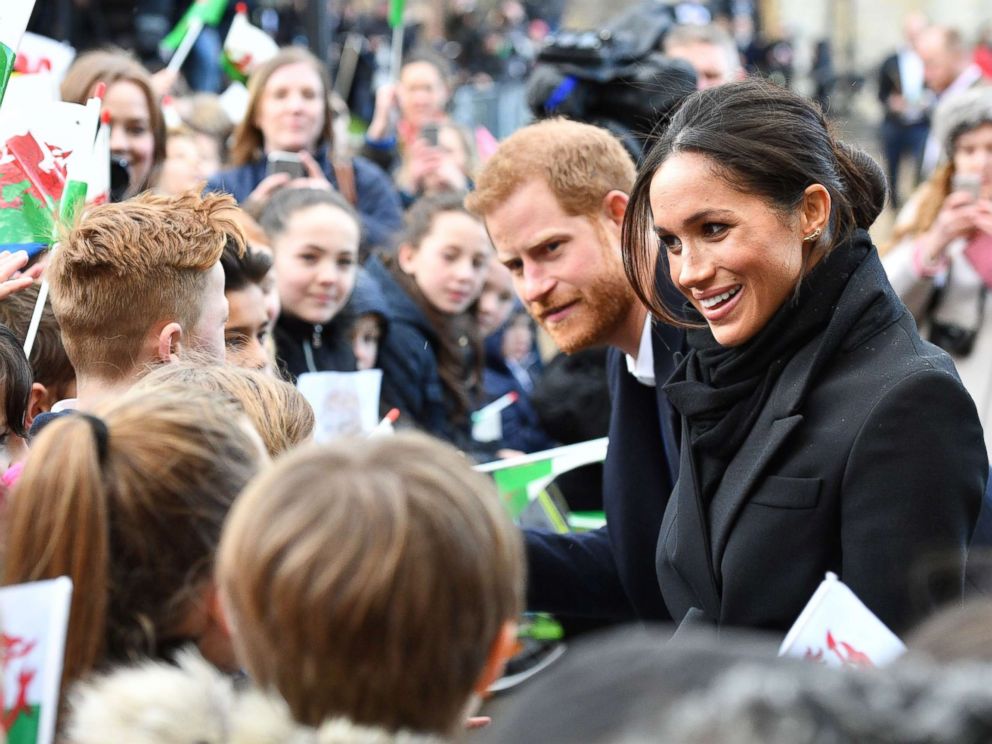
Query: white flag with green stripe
{"x": 14, "y": 16}
{"x": 523, "y": 481}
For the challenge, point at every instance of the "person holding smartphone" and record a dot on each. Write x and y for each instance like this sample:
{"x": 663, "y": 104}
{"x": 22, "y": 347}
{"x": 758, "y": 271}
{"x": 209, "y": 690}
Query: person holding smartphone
{"x": 285, "y": 139}
{"x": 940, "y": 261}
{"x": 441, "y": 160}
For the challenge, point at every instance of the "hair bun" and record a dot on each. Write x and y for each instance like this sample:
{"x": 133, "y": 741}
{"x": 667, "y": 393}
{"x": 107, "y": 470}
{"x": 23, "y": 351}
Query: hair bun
{"x": 866, "y": 184}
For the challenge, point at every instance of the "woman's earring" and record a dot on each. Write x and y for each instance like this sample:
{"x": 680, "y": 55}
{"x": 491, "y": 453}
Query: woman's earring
{"x": 813, "y": 235}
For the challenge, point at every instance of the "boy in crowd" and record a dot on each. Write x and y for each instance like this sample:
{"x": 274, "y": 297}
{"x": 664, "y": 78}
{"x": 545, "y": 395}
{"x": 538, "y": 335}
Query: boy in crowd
{"x": 54, "y": 377}
{"x": 138, "y": 283}
{"x": 247, "y": 333}
{"x": 375, "y": 582}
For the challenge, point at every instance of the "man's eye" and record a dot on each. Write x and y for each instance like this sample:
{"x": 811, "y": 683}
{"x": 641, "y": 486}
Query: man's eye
{"x": 714, "y": 229}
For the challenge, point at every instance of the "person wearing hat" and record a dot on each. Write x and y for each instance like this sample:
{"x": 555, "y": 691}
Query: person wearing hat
{"x": 940, "y": 259}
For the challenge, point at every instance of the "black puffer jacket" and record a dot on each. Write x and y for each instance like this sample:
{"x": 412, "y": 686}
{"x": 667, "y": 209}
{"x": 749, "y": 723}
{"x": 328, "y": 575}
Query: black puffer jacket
{"x": 304, "y": 347}
{"x": 411, "y": 381}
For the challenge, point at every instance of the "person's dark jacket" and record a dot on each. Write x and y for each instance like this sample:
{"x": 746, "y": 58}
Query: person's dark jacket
{"x": 367, "y": 298}
{"x": 866, "y": 458}
{"x": 408, "y": 359}
{"x": 609, "y": 573}
{"x": 378, "y": 203}
{"x": 521, "y": 427}
{"x": 304, "y": 347}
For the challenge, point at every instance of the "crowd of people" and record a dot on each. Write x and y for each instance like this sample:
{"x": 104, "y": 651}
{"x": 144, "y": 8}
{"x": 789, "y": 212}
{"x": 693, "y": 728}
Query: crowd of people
{"x": 782, "y": 400}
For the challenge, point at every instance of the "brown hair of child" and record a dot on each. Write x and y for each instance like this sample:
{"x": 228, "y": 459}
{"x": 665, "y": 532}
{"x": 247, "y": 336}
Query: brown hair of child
{"x": 129, "y": 505}
{"x": 124, "y": 267}
{"x": 375, "y": 580}
{"x": 278, "y": 411}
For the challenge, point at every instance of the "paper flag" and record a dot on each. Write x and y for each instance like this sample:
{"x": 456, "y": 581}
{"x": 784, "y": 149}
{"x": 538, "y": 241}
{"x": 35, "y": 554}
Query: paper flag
{"x": 205, "y": 12}
{"x": 837, "y": 629}
{"x": 523, "y": 481}
{"x": 35, "y": 619}
{"x": 43, "y": 149}
{"x": 246, "y": 47}
{"x": 39, "y": 54}
{"x": 14, "y": 16}
{"x": 344, "y": 403}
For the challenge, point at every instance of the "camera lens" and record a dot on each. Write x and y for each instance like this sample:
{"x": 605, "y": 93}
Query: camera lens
{"x": 120, "y": 177}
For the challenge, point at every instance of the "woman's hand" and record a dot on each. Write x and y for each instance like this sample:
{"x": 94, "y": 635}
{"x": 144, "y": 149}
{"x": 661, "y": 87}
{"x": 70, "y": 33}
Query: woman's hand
{"x": 983, "y": 215}
{"x": 956, "y": 219}
{"x": 314, "y": 179}
{"x": 268, "y": 186}
{"x": 385, "y": 103}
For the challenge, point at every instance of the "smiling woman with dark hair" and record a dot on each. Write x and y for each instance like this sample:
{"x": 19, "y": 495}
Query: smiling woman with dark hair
{"x": 819, "y": 432}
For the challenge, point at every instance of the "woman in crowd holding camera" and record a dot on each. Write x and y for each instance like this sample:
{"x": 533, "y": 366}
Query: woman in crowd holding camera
{"x": 137, "y": 129}
{"x": 285, "y": 138}
{"x": 940, "y": 262}
{"x": 819, "y": 432}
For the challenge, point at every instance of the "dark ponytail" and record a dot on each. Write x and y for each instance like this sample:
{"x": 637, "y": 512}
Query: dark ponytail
{"x": 866, "y": 187}
{"x": 765, "y": 141}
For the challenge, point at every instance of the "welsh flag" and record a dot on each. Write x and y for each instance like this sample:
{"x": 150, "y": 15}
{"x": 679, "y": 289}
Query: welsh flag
{"x": 35, "y": 622}
{"x": 202, "y": 12}
{"x": 246, "y": 46}
{"x": 395, "y": 17}
{"x": 837, "y": 629}
{"x": 47, "y": 159}
{"x": 14, "y": 16}
{"x": 523, "y": 482}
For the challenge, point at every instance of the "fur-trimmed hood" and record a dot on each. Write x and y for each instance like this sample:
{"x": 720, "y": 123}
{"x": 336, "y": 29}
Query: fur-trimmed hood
{"x": 193, "y": 703}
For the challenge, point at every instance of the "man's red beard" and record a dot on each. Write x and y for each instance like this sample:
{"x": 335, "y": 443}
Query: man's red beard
{"x": 593, "y": 320}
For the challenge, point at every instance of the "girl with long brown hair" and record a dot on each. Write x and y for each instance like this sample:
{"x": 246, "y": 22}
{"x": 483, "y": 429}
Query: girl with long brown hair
{"x": 128, "y": 502}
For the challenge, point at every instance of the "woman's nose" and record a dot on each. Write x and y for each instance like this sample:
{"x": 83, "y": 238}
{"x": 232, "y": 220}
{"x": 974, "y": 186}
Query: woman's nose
{"x": 694, "y": 267}
{"x": 118, "y": 139}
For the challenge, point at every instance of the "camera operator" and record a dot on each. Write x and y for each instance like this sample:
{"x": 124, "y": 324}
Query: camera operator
{"x": 710, "y": 50}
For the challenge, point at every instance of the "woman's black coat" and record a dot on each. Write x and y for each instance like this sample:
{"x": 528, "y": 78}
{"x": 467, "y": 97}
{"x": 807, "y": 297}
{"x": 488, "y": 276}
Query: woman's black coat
{"x": 869, "y": 463}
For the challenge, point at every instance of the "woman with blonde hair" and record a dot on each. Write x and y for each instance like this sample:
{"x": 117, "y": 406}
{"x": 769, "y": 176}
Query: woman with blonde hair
{"x": 289, "y": 116}
{"x": 940, "y": 261}
{"x": 128, "y": 502}
{"x": 277, "y": 410}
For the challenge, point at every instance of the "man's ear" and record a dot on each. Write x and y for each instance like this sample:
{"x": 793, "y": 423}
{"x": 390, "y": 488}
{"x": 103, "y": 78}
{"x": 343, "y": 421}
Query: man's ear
{"x": 500, "y": 652}
{"x": 169, "y": 343}
{"x": 405, "y": 255}
{"x": 614, "y": 206}
{"x": 39, "y": 401}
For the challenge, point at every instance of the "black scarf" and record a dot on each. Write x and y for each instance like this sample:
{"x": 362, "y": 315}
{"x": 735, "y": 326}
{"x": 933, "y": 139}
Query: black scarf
{"x": 720, "y": 391}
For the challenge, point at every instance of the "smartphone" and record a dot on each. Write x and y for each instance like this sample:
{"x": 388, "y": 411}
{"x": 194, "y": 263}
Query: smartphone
{"x": 429, "y": 133}
{"x": 280, "y": 161}
{"x": 967, "y": 182}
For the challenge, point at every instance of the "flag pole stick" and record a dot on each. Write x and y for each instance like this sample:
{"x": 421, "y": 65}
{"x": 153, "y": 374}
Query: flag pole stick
{"x": 397, "y": 56}
{"x": 182, "y": 52}
{"x": 39, "y": 308}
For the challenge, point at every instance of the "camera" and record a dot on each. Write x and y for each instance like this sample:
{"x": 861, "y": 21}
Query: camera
{"x": 614, "y": 78}
{"x": 954, "y": 339}
{"x": 120, "y": 177}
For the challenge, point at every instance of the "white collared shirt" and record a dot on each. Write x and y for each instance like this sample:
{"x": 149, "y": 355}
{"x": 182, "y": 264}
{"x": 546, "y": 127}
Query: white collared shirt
{"x": 642, "y": 367}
